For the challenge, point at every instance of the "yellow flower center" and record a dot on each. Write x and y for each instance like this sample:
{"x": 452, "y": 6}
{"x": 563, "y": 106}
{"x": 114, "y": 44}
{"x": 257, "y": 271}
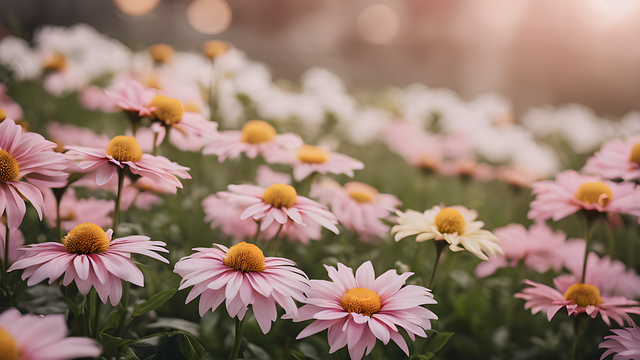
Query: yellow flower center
{"x": 86, "y": 238}
{"x": 152, "y": 81}
{"x": 362, "y": 301}
{"x": 450, "y": 221}
{"x": 9, "y": 169}
{"x": 245, "y": 257}
{"x": 257, "y": 131}
{"x": 280, "y": 195}
{"x": 361, "y": 192}
{"x": 124, "y": 148}
{"x": 161, "y": 52}
{"x": 3, "y": 115}
{"x": 594, "y": 192}
{"x": 215, "y": 48}
{"x": 312, "y": 154}
{"x": 192, "y": 107}
{"x": 583, "y": 295}
{"x": 8, "y": 346}
{"x": 55, "y": 61}
{"x": 168, "y": 109}
{"x": 635, "y": 153}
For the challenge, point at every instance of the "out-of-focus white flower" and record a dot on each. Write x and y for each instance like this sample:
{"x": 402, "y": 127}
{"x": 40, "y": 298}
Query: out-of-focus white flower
{"x": 420, "y": 104}
{"x": 366, "y": 126}
{"x": 16, "y": 54}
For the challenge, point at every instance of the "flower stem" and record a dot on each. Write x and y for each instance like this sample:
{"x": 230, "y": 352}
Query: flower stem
{"x": 589, "y": 222}
{"x": 116, "y": 214}
{"x": 577, "y": 327}
{"x": 440, "y": 244}
{"x": 238, "y": 340}
{"x": 213, "y": 93}
{"x": 5, "y": 263}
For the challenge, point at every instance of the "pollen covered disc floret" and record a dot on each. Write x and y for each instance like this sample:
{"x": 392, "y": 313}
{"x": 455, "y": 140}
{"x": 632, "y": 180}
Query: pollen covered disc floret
{"x": 245, "y": 257}
{"x": 361, "y": 301}
{"x": 450, "y": 221}
{"x": 635, "y": 153}
{"x": 9, "y": 168}
{"x": 583, "y": 295}
{"x": 312, "y": 154}
{"x": 86, "y": 238}
{"x": 594, "y": 193}
{"x": 8, "y": 346}
{"x": 280, "y": 195}
{"x": 124, "y": 148}
{"x": 257, "y": 131}
{"x": 168, "y": 110}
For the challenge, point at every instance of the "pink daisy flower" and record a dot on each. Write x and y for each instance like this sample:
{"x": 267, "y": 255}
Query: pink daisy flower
{"x": 28, "y": 156}
{"x": 577, "y": 298}
{"x": 10, "y": 108}
{"x": 539, "y": 247}
{"x": 616, "y": 159}
{"x": 131, "y": 96}
{"x": 255, "y": 137}
{"x": 281, "y": 203}
{"x": 242, "y": 276}
{"x": 143, "y": 192}
{"x": 417, "y": 147}
{"x": 357, "y": 206}
{"x": 194, "y": 130}
{"x": 310, "y": 159}
{"x": 125, "y": 150}
{"x": 94, "y": 98}
{"x": 89, "y": 256}
{"x": 570, "y": 192}
{"x": 37, "y": 337}
{"x": 266, "y": 177}
{"x": 16, "y": 239}
{"x": 358, "y": 310}
{"x": 625, "y": 344}
{"x": 74, "y": 211}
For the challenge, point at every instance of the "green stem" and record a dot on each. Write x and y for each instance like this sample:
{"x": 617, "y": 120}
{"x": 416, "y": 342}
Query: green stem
{"x": 238, "y": 340}
{"x": 611, "y": 236}
{"x": 58, "y": 219}
{"x": 589, "y": 222}
{"x": 440, "y": 244}
{"x": 273, "y": 239}
{"x": 212, "y": 93}
{"x": 5, "y": 263}
{"x": 154, "y": 152}
{"x": 116, "y": 214}
{"x": 577, "y": 325}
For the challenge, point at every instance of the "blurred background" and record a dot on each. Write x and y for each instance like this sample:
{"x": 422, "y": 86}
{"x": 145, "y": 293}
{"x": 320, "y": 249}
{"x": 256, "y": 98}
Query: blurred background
{"x": 535, "y": 52}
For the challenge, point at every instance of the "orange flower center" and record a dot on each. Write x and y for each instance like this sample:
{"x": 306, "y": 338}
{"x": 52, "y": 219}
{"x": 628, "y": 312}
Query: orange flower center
{"x": 168, "y": 109}
{"x": 86, "y": 238}
{"x": 161, "y": 52}
{"x": 3, "y": 115}
{"x": 635, "y": 153}
{"x": 312, "y": 154}
{"x": 361, "y": 192}
{"x": 280, "y": 195}
{"x": 362, "y": 301}
{"x": 594, "y": 192}
{"x": 9, "y": 169}
{"x": 215, "y": 48}
{"x": 450, "y": 221}
{"x": 55, "y": 61}
{"x": 245, "y": 257}
{"x": 257, "y": 131}
{"x": 124, "y": 148}
{"x": 8, "y": 346}
{"x": 583, "y": 294}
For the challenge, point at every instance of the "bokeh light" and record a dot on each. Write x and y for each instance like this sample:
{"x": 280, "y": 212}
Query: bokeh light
{"x": 209, "y": 16}
{"x": 136, "y": 7}
{"x": 378, "y": 24}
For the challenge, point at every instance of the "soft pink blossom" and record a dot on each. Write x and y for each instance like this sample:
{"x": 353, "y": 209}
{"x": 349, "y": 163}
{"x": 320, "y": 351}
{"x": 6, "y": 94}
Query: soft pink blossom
{"x": 11, "y": 108}
{"x": 357, "y": 206}
{"x": 399, "y": 307}
{"x": 40, "y": 337}
{"x": 541, "y": 297}
{"x": 67, "y": 134}
{"x": 16, "y": 239}
{"x": 94, "y": 98}
{"x": 614, "y": 161}
{"x": 102, "y": 270}
{"x": 131, "y": 96}
{"x": 625, "y": 344}
{"x": 36, "y": 163}
{"x": 322, "y": 161}
{"x": 143, "y": 193}
{"x": 539, "y": 247}
{"x": 266, "y": 177}
{"x": 251, "y": 198}
{"x": 556, "y": 199}
{"x": 74, "y": 211}
{"x": 279, "y": 283}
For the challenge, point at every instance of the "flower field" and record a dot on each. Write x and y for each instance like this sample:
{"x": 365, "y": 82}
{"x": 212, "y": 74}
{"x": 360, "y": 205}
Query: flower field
{"x": 159, "y": 204}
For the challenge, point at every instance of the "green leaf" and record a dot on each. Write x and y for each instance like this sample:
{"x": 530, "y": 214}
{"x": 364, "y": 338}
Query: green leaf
{"x": 191, "y": 348}
{"x": 128, "y": 354}
{"x": 149, "y": 357}
{"x": 153, "y": 303}
{"x": 113, "y": 322}
{"x": 109, "y": 342}
{"x": 438, "y": 341}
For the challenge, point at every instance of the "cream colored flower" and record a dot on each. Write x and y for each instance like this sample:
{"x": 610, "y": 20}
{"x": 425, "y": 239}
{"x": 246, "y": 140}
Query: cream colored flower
{"x": 454, "y": 224}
